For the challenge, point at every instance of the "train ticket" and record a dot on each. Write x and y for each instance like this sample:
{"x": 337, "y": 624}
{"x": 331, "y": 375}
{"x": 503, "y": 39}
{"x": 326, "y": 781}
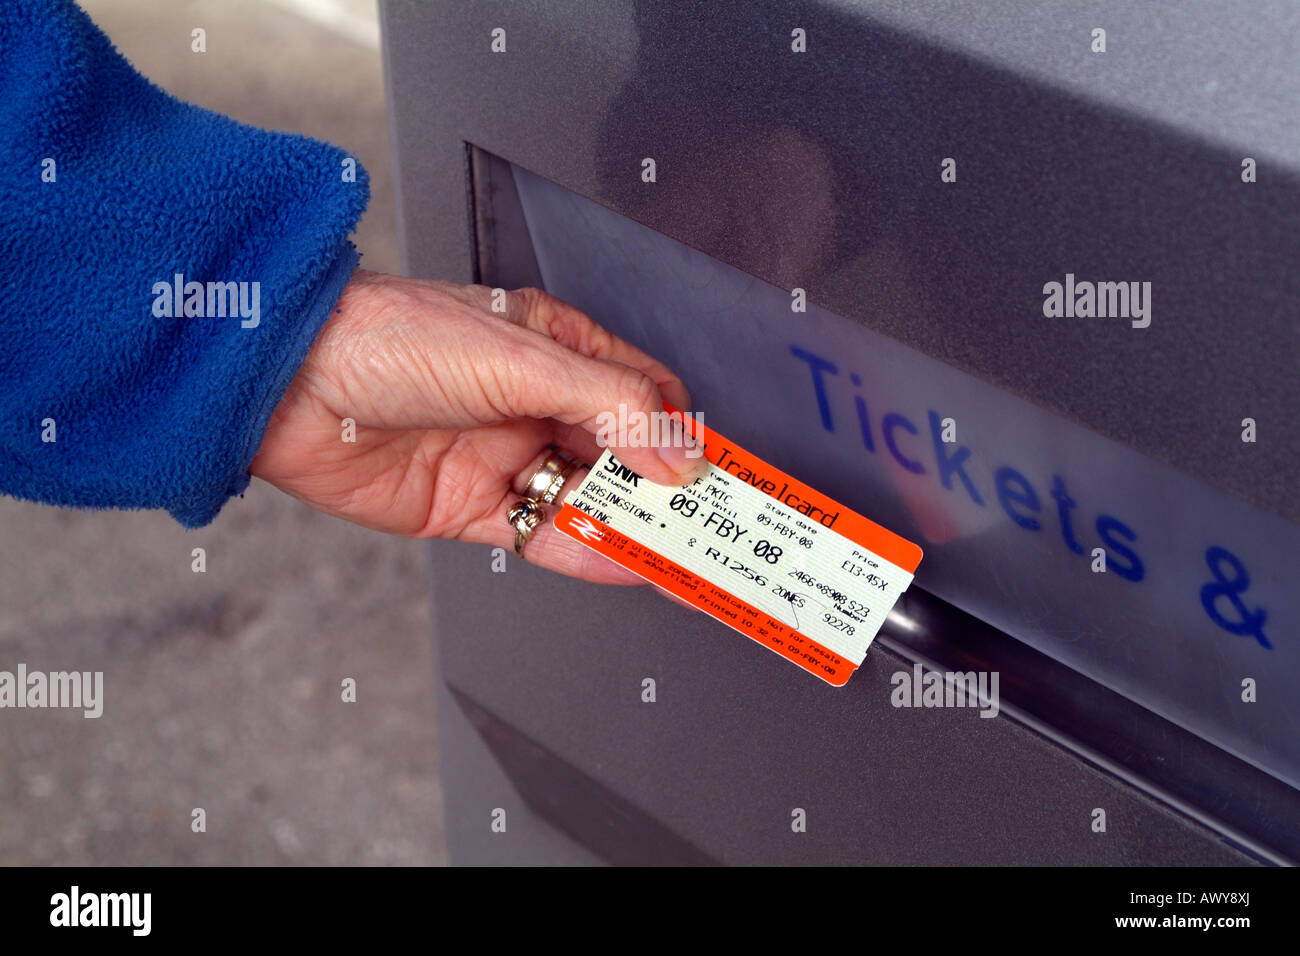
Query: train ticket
{"x": 765, "y": 554}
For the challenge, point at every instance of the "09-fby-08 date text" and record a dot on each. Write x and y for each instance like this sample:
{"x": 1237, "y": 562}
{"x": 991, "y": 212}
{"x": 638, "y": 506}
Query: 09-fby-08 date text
{"x": 719, "y": 525}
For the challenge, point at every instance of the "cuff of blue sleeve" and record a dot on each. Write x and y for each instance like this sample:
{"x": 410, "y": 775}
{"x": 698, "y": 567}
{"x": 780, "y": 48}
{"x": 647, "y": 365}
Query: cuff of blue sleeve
{"x": 200, "y": 509}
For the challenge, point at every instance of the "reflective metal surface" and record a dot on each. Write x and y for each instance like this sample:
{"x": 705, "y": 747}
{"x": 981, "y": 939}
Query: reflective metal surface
{"x": 822, "y": 171}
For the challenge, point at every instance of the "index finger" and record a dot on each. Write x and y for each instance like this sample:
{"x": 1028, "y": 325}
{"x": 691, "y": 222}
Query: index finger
{"x": 542, "y": 312}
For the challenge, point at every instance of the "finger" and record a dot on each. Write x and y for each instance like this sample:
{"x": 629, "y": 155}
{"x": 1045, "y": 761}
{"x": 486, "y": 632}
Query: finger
{"x": 548, "y": 548}
{"x": 618, "y": 404}
{"x": 524, "y": 477}
{"x": 542, "y": 312}
{"x": 578, "y": 442}
{"x": 674, "y": 598}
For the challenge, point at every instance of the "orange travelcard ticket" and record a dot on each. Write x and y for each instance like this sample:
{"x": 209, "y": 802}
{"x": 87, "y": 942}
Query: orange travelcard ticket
{"x": 798, "y": 572}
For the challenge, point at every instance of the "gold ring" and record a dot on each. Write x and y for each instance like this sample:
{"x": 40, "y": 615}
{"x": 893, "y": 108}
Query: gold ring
{"x": 525, "y": 516}
{"x": 549, "y": 478}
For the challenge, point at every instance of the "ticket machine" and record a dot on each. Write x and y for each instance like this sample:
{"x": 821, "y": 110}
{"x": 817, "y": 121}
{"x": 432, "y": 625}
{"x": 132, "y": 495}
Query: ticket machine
{"x": 1017, "y": 284}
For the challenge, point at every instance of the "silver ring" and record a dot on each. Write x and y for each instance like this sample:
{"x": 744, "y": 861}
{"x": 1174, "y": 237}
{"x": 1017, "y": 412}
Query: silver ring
{"x": 548, "y": 480}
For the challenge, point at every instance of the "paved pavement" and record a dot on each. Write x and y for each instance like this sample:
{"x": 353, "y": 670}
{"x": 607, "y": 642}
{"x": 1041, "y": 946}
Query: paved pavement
{"x": 222, "y": 690}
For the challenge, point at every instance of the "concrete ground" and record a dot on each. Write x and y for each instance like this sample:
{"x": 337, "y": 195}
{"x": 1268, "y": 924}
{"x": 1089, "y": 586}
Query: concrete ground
{"x": 222, "y": 690}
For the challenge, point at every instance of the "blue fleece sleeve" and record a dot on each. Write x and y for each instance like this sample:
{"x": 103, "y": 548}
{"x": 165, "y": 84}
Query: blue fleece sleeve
{"x": 163, "y": 272}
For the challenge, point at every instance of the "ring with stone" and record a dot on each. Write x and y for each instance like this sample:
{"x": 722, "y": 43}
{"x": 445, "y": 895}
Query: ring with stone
{"x": 548, "y": 480}
{"x": 525, "y": 516}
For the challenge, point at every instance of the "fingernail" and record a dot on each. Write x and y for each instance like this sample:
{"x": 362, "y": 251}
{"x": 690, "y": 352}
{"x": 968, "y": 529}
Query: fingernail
{"x": 686, "y": 467}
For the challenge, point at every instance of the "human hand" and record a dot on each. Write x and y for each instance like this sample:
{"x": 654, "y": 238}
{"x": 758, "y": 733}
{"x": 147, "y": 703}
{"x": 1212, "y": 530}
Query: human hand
{"x": 454, "y": 405}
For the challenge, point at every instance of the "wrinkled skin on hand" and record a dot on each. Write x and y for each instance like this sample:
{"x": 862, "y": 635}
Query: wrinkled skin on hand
{"x": 453, "y": 403}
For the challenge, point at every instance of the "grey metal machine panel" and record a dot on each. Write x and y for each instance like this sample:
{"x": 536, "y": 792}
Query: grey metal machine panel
{"x": 822, "y": 173}
{"x": 1122, "y": 165}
